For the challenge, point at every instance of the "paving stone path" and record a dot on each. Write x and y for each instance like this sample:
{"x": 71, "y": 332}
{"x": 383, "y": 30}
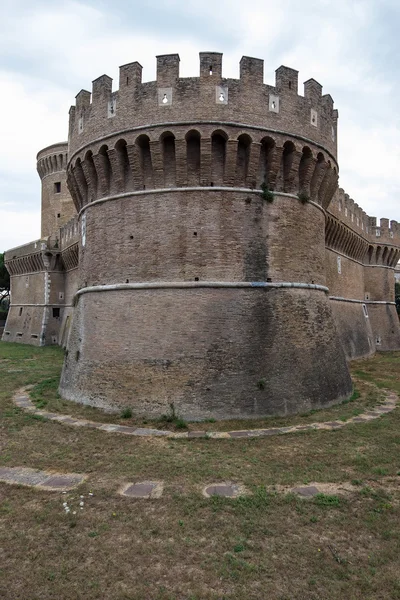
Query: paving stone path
{"x": 145, "y": 490}
{"x": 63, "y": 482}
{"x": 44, "y": 480}
{"x": 22, "y": 400}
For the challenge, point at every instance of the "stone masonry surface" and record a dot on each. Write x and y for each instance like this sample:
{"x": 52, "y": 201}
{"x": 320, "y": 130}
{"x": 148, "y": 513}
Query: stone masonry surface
{"x": 196, "y": 254}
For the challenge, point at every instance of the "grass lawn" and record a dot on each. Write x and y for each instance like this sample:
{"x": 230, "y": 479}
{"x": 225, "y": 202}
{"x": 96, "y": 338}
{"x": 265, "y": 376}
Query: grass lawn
{"x": 182, "y": 546}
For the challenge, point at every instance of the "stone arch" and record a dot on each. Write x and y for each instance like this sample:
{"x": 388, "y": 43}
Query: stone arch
{"x": 243, "y": 158}
{"x": 218, "y": 156}
{"x": 390, "y": 257}
{"x": 325, "y": 182}
{"x": 104, "y": 170}
{"x": 193, "y": 141}
{"x": 267, "y": 151}
{"x": 317, "y": 175}
{"x": 146, "y": 167}
{"x": 370, "y": 254}
{"x": 378, "y": 255}
{"x": 167, "y": 141}
{"x": 330, "y": 188}
{"x": 305, "y": 170}
{"x": 91, "y": 175}
{"x": 289, "y": 150}
{"x": 81, "y": 180}
{"x": 123, "y": 168}
{"x": 341, "y": 239}
{"x": 385, "y": 255}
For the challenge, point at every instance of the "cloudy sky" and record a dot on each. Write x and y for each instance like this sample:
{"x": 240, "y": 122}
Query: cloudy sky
{"x": 50, "y": 50}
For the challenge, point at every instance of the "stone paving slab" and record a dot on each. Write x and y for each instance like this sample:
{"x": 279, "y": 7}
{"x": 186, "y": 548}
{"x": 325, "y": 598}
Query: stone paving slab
{"x": 143, "y": 489}
{"x": 312, "y": 489}
{"x": 24, "y": 402}
{"x": 224, "y": 490}
{"x": 40, "y": 479}
{"x": 308, "y": 491}
{"x": 63, "y": 482}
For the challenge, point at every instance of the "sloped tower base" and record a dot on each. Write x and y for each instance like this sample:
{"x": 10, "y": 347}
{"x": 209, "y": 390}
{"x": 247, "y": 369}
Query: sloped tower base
{"x": 210, "y": 352}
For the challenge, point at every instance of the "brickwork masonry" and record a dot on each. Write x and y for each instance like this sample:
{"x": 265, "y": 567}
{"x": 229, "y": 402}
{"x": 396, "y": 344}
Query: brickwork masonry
{"x": 196, "y": 251}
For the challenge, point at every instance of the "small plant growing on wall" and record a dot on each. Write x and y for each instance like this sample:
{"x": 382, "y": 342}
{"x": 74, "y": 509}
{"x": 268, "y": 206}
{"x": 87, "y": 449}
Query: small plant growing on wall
{"x": 303, "y": 197}
{"x": 266, "y": 193}
{"x": 261, "y": 384}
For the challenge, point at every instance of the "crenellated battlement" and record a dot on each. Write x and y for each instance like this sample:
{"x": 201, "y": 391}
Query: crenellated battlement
{"x": 69, "y": 233}
{"x": 209, "y": 98}
{"x": 52, "y": 159}
{"x": 351, "y": 214}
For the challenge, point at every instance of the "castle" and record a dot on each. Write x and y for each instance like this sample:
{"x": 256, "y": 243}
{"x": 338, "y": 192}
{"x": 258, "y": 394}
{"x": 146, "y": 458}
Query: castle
{"x": 195, "y": 251}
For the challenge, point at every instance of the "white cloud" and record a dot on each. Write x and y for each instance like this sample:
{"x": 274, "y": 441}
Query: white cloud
{"x": 69, "y": 44}
{"x": 18, "y": 228}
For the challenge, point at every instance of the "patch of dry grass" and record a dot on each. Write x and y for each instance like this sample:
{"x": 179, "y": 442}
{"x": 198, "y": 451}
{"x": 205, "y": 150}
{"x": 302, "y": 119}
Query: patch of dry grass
{"x": 183, "y": 546}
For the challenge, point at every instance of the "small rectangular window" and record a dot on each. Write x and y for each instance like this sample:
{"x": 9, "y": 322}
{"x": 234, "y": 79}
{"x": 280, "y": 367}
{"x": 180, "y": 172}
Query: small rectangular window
{"x": 339, "y": 265}
{"x": 56, "y": 313}
{"x": 20, "y": 311}
{"x": 57, "y": 187}
{"x": 378, "y": 232}
{"x": 58, "y": 215}
{"x": 365, "y": 311}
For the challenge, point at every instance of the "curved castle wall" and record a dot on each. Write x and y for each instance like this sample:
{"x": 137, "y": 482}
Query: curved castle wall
{"x": 206, "y": 258}
{"x": 360, "y": 261}
{"x": 192, "y": 290}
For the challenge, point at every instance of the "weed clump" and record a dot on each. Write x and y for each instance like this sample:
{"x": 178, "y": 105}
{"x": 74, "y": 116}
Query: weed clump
{"x": 303, "y": 197}
{"x": 173, "y": 418}
{"x": 126, "y": 413}
{"x": 261, "y": 384}
{"x": 327, "y": 500}
{"x": 266, "y": 193}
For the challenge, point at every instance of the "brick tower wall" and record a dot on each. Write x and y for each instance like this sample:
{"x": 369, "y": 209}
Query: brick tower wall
{"x": 194, "y": 288}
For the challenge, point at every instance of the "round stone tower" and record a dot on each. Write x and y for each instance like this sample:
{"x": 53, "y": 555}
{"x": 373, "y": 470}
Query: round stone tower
{"x": 57, "y": 206}
{"x": 202, "y": 254}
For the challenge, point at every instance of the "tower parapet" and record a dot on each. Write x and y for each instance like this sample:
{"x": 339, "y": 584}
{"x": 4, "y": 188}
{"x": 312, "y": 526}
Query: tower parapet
{"x": 209, "y": 98}
{"x": 57, "y": 205}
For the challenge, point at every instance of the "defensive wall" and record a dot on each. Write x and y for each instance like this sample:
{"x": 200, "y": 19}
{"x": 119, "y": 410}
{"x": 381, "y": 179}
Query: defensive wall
{"x": 212, "y": 263}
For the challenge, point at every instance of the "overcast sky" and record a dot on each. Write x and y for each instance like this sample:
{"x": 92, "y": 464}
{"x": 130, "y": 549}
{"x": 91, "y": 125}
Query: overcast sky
{"x": 50, "y": 50}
